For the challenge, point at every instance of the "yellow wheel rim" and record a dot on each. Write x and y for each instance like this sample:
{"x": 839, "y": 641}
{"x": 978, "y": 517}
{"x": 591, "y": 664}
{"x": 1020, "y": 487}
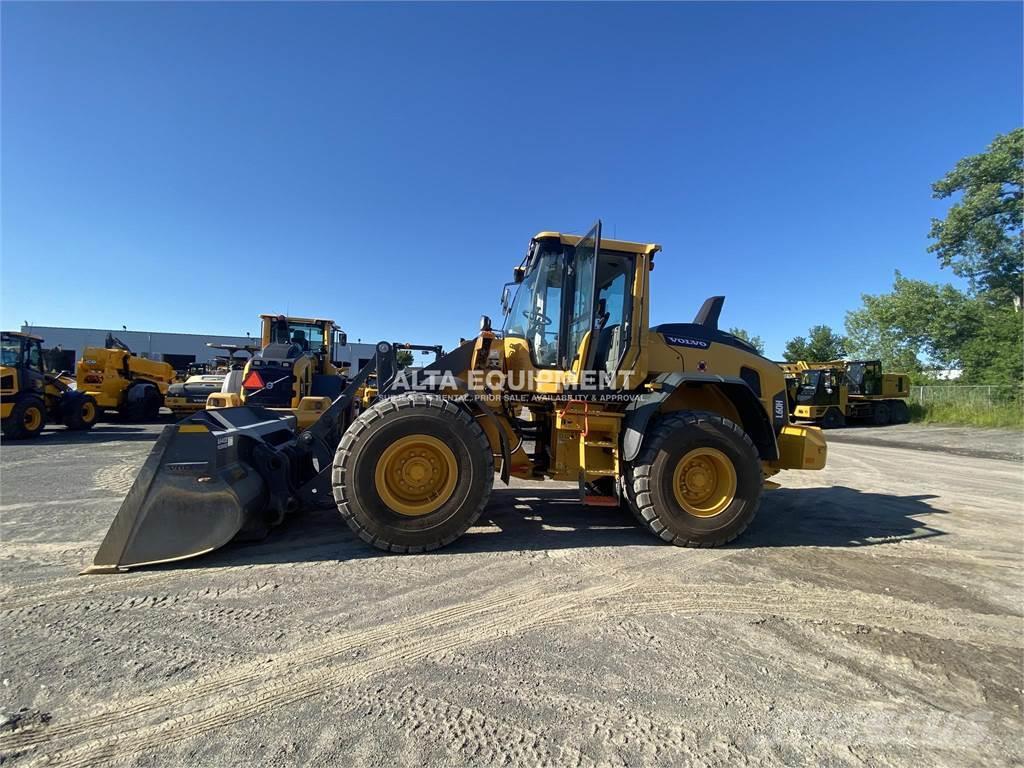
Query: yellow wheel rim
{"x": 88, "y": 412}
{"x": 416, "y": 475}
{"x": 33, "y": 419}
{"x": 704, "y": 482}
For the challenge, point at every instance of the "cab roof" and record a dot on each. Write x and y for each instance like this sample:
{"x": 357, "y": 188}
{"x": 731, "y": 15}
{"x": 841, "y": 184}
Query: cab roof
{"x": 606, "y": 243}
{"x": 290, "y": 319}
{"x": 23, "y": 335}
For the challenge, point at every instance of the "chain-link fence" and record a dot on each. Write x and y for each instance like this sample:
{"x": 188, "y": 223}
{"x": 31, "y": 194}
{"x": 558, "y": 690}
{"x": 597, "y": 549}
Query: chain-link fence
{"x": 980, "y": 395}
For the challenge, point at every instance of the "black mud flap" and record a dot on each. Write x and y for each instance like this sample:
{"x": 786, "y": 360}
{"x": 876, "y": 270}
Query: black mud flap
{"x": 209, "y": 478}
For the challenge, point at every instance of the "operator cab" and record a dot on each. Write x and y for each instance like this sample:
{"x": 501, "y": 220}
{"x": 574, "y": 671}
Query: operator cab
{"x": 21, "y": 350}
{"x": 574, "y": 302}
{"x": 819, "y": 387}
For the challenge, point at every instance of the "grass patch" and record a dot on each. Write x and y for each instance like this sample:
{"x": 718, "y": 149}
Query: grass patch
{"x": 1009, "y": 414}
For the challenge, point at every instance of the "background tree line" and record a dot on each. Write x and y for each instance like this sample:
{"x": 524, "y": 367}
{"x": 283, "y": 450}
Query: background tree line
{"x": 920, "y": 327}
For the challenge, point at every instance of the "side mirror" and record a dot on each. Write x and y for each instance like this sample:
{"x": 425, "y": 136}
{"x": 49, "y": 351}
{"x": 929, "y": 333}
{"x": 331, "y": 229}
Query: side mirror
{"x": 342, "y": 339}
{"x": 518, "y": 273}
{"x": 506, "y": 299}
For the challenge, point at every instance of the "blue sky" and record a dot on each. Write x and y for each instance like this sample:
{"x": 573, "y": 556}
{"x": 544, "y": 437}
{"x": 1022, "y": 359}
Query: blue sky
{"x": 188, "y": 166}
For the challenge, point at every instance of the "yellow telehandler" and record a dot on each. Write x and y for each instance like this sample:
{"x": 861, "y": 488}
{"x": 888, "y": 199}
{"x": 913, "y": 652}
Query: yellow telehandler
{"x": 120, "y": 380}
{"x": 681, "y": 422}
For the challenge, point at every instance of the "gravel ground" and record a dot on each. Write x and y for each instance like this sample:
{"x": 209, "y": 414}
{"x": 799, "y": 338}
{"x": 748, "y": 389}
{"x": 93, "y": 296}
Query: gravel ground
{"x": 871, "y": 615}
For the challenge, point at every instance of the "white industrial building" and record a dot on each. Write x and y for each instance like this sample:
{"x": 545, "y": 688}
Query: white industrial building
{"x": 65, "y": 345}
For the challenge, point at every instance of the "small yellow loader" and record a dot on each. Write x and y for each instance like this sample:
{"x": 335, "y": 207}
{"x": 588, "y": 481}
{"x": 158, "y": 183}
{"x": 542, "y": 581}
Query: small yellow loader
{"x": 30, "y": 397}
{"x": 120, "y": 380}
{"x": 682, "y": 423}
{"x": 838, "y": 391}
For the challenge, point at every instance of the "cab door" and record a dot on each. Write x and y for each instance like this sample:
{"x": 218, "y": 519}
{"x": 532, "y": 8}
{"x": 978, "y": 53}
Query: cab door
{"x": 579, "y": 349}
{"x": 32, "y": 369}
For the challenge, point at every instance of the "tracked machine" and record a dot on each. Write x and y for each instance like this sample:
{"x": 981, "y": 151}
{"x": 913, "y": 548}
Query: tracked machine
{"x": 682, "y": 423}
{"x": 838, "y": 391}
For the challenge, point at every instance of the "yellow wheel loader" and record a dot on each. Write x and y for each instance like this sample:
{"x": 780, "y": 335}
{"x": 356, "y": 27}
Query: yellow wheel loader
{"x": 682, "y": 423}
{"x": 294, "y": 370}
{"x": 120, "y": 380}
{"x": 30, "y": 397}
{"x": 838, "y": 391}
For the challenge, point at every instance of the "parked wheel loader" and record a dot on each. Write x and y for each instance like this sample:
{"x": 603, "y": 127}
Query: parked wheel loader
{"x": 30, "y": 397}
{"x": 118, "y": 379}
{"x": 680, "y": 422}
{"x": 838, "y": 391}
{"x": 294, "y": 370}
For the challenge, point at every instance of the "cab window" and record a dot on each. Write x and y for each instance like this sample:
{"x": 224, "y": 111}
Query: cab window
{"x": 35, "y": 358}
{"x": 611, "y": 324}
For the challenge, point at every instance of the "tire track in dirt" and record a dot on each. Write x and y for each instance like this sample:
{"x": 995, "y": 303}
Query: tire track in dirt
{"x": 466, "y": 733}
{"x": 505, "y": 613}
{"x": 823, "y": 604}
{"x": 118, "y": 478}
{"x": 503, "y": 619}
{"x": 499, "y": 615}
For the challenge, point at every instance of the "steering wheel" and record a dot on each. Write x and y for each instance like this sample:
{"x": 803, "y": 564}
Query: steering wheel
{"x": 536, "y": 318}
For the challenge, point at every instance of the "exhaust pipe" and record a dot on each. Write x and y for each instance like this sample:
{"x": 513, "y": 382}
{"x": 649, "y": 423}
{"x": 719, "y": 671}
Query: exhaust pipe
{"x": 212, "y": 477}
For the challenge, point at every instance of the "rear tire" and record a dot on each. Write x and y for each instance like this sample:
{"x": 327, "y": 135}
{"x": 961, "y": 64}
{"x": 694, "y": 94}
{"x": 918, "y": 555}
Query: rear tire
{"x": 880, "y": 414}
{"x": 27, "y": 419}
{"x": 833, "y": 419}
{"x": 412, "y": 473}
{"x": 81, "y": 413}
{"x": 678, "y": 457}
{"x": 142, "y": 404}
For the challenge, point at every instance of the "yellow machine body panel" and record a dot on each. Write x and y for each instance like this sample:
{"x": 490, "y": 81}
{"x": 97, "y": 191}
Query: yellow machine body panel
{"x": 106, "y": 374}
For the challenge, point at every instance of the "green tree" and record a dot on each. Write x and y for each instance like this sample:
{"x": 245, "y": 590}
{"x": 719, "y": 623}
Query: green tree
{"x": 920, "y": 325}
{"x": 915, "y": 323}
{"x": 981, "y": 237}
{"x": 403, "y": 358}
{"x": 820, "y": 345}
{"x": 755, "y": 341}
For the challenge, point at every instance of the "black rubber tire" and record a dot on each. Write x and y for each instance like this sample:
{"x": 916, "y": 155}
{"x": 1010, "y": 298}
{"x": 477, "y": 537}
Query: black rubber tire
{"x": 880, "y": 414}
{"x": 373, "y": 431}
{"x": 152, "y": 404}
{"x": 140, "y": 408}
{"x": 14, "y": 425}
{"x": 650, "y": 478}
{"x": 74, "y": 417}
{"x": 833, "y": 419}
{"x": 899, "y": 412}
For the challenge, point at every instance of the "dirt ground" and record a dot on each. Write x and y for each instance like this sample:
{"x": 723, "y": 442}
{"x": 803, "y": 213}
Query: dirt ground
{"x": 872, "y": 615}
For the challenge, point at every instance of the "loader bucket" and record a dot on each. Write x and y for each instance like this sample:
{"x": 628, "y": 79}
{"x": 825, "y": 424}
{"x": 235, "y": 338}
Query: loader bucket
{"x": 206, "y": 480}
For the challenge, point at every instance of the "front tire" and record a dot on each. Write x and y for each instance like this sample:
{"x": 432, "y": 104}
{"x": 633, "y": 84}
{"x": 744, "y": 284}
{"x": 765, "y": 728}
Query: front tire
{"x": 697, "y": 480}
{"x": 81, "y": 413}
{"x": 412, "y": 473}
{"x": 27, "y": 419}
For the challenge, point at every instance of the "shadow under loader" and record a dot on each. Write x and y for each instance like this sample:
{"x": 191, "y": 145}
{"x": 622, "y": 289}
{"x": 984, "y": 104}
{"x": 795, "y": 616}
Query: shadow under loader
{"x": 528, "y": 519}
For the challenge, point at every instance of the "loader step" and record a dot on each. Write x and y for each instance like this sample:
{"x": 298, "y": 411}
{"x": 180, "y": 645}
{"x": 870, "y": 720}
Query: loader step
{"x": 601, "y": 501}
